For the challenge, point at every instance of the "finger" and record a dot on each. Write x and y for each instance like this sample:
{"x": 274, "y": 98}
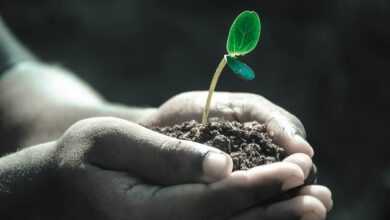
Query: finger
{"x": 241, "y": 190}
{"x": 124, "y": 146}
{"x": 263, "y": 110}
{"x": 287, "y": 130}
{"x": 298, "y": 208}
{"x": 312, "y": 178}
{"x": 302, "y": 160}
{"x": 306, "y": 165}
{"x": 320, "y": 192}
{"x": 279, "y": 127}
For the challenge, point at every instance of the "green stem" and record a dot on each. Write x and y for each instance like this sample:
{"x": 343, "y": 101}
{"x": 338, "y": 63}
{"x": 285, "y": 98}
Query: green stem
{"x": 213, "y": 84}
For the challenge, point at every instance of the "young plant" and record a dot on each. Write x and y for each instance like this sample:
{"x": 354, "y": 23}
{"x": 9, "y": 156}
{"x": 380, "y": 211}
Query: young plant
{"x": 243, "y": 37}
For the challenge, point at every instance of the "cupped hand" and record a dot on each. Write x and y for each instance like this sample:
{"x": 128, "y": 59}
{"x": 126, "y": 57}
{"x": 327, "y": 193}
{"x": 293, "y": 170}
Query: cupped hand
{"x": 286, "y": 129}
{"x": 110, "y": 168}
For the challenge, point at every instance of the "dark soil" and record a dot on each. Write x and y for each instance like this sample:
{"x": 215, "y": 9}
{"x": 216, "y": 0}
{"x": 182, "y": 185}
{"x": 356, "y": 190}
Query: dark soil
{"x": 248, "y": 143}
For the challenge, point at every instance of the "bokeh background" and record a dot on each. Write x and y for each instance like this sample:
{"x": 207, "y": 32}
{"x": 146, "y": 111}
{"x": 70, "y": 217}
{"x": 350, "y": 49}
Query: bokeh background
{"x": 326, "y": 61}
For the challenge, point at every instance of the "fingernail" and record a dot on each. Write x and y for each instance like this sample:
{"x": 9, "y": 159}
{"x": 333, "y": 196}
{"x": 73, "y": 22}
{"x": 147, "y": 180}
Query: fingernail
{"x": 311, "y": 216}
{"x": 216, "y": 166}
{"x": 299, "y": 140}
{"x": 292, "y": 182}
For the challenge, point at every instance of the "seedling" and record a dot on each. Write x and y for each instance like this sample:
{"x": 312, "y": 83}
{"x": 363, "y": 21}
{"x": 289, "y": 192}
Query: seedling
{"x": 243, "y": 37}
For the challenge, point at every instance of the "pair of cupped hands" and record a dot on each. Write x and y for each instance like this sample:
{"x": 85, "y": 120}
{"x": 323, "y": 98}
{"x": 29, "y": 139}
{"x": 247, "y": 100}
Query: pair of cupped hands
{"x": 123, "y": 170}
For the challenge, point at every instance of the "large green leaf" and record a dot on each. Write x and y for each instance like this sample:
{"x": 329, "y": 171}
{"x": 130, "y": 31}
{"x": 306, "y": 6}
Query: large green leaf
{"x": 240, "y": 69}
{"x": 244, "y": 34}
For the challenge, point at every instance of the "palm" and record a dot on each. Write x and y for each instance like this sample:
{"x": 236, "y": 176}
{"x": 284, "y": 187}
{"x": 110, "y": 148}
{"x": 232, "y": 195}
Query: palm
{"x": 120, "y": 195}
{"x": 287, "y": 130}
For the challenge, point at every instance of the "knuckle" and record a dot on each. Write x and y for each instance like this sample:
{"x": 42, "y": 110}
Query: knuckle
{"x": 313, "y": 205}
{"x": 292, "y": 169}
{"x": 169, "y": 152}
{"x": 79, "y": 139}
{"x": 300, "y": 158}
{"x": 180, "y": 156}
{"x": 319, "y": 190}
{"x": 170, "y": 145}
{"x": 174, "y": 149}
{"x": 240, "y": 178}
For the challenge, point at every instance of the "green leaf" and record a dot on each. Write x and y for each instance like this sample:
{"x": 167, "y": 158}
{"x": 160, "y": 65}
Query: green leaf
{"x": 244, "y": 34}
{"x": 240, "y": 69}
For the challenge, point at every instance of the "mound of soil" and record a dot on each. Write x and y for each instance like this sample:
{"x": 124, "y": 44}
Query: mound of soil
{"x": 248, "y": 143}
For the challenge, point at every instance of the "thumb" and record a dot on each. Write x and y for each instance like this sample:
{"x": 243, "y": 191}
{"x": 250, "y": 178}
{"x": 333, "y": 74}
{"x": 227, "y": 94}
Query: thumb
{"x": 126, "y": 146}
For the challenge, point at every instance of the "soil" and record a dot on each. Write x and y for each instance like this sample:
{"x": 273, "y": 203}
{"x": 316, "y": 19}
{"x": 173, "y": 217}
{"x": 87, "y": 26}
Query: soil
{"x": 248, "y": 143}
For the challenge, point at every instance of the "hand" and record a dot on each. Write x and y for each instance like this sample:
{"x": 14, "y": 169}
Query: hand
{"x": 287, "y": 130}
{"x": 114, "y": 169}
{"x": 38, "y": 102}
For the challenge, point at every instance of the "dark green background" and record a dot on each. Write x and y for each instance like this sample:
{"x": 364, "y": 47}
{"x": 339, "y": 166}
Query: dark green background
{"x": 325, "y": 61}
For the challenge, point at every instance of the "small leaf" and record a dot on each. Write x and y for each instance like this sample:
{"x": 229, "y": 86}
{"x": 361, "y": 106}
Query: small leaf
{"x": 244, "y": 34}
{"x": 240, "y": 69}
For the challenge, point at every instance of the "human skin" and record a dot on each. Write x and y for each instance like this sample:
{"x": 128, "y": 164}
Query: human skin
{"x": 113, "y": 168}
{"x": 106, "y": 173}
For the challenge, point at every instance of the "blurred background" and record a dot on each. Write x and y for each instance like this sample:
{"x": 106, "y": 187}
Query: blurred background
{"x": 326, "y": 61}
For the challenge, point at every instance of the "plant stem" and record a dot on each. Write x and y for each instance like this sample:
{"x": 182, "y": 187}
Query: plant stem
{"x": 213, "y": 84}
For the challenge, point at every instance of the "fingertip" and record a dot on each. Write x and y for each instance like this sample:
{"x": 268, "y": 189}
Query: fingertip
{"x": 289, "y": 175}
{"x": 302, "y": 160}
{"x": 295, "y": 176}
{"x": 313, "y": 208}
{"x": 216, "y": 166}
{"x": 300, "y": 143}
{"x": 320, "y": 192}
{"x": 304, "y": 207}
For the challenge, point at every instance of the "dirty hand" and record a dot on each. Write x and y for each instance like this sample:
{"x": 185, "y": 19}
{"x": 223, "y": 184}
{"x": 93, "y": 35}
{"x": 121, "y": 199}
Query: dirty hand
{"x": 287, "y": 130}
{"x": 121, "y": 170}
